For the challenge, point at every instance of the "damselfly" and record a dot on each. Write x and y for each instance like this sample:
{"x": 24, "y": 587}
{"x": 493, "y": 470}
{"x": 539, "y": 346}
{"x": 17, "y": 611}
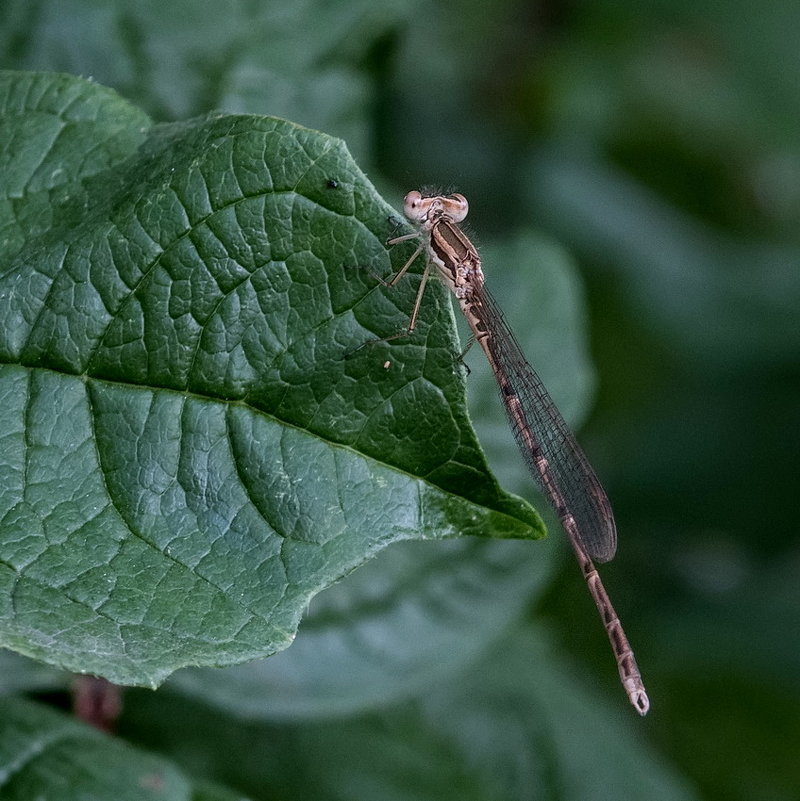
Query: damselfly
{"x": 554, "y": 457}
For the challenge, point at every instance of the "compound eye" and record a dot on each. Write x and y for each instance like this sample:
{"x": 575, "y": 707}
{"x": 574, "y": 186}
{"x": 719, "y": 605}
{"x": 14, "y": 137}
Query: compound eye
{"x": 413, "y": 206}
{"x": 458, "y": 207}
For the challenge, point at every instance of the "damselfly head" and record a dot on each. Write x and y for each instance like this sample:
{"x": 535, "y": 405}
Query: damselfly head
{"x": 415, "y": 207}
{"x": 419, "y": 209}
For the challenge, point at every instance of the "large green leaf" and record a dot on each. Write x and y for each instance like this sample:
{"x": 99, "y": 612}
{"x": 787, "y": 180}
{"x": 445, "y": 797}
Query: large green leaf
{"x": 195, "y": 440}
{"x": 413, "y": 616}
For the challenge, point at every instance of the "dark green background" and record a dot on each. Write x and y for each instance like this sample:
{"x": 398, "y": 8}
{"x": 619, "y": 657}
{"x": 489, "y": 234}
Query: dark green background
{"x": 658, "y": 143}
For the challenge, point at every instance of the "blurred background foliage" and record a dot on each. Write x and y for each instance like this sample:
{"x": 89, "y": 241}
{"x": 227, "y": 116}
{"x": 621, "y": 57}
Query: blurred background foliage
{"x": 657, "y": 142}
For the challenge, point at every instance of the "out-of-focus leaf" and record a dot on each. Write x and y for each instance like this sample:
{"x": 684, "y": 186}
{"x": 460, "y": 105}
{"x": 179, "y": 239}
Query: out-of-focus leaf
{"x": 20, "y": 674}
{"x": 517, "y": 724}
{"x": 567, "y": 743}
{"x": 745, "y": 293}
{"x": 44, "y": 754}
{"x": 730, "y": 661}
{"x": 301, "y": 61}
{"x": 196, "y": 441}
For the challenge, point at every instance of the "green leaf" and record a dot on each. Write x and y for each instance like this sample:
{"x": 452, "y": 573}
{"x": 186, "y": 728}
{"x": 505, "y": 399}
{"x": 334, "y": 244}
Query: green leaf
{"x": 412, "y": 617}
{"x": 692, "y": 272}
{"x": 196, "y": 440}
{"x": 44, "y": 754}
{"x": 19, "y": 674}
{"x": 516, "y": 724}
{"x": 55, "y": 134}
{"x": 309, "y": 62}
